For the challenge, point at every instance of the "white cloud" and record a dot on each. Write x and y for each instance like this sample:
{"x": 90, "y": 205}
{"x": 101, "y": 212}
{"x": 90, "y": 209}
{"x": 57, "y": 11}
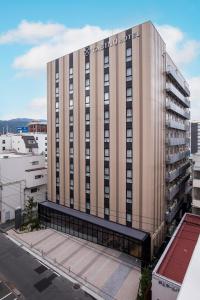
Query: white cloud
{"x": 31, "y": 32}
{"x": 181, "y": 49}
{"x": 194, "y": 83}
{"x": 49, "y": 40}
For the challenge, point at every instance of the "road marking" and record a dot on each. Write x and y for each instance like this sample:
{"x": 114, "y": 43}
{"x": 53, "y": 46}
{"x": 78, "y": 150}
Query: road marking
{"x": 6, "y": 296}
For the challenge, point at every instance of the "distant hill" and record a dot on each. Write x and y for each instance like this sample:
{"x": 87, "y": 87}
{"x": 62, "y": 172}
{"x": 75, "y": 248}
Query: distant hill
{"x": 13, "y": 124}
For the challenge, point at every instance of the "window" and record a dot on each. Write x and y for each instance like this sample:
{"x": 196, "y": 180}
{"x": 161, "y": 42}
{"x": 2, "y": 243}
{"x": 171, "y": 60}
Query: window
{"x": 87, "y": 84}
{"x": 106, "y": 61}
{"x": 128, "y": 54}
{"x": 3, "y": 148}
{"x": 71, "y": 200}
{"x": 71, "y": 88}
{"x": 71, "y": 118}
{"x": 71, "y": 102}
{"x": 87, "y": 151}
{"x": 70, "y": 72}
{"x": 129, "y": 153}
{"x": 87, "y": 205}
{"x": 129, "y": 194}
{"x": 106, "y": 98}
{"x": 35, "y": 162}
{"x": 57, "y": 165}
{"x": 71, "y": 167}
{"x": 129, "y": 174}
{"x": 128, "y": 217}
{"x": 128, "y": 74}
{"x": 128, "y": 94}
{"x": 129, "y": 115}
{"x": 71, "y": 135}
{"x": 106, "y": 79}
{"x": 45, "y": 144}
{"x": 87, "y": 185}
{"x": 57, "y": 135}
{"x": 87, "y": 67}
{"x": 71, "y": 182}
{"x": 106, "y": 116}
{"x": 57, "y": 106}
{"x": 106, "y": 133}
{"x": 106, "y": 152}
{"x": 106, "y": 211}
{"x": 129, "y": 133}
{"x": 106, "y": 189}
{"x": 36, "y": 138}
{"x": 87, "y": 117}
{"x": 34, "y": 190}
{"x": 87, "y": 100}
{"x": 87, "y": 169}
{"x": 57, "y": 77}
{"x": 87, "y": 134}
{"x": 57, "y": 179}
{"x": 71, "y": 151}
{"x": 57, "y": 90}
{"x": 106, "y": 171}
{"x": 38, "y": 176}
{"x": 57, "y": 120}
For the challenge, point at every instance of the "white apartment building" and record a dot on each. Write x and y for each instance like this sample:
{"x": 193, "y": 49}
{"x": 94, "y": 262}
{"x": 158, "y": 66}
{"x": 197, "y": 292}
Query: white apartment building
{"x": 34, "y": 142}
{"x": 196, "y": 184}
{"x": 21, "y": 176}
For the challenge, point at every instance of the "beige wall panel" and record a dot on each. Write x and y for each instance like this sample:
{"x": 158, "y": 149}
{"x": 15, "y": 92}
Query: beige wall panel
{"x": 61, "y": 132}
{"x": 82, "y": 130}
{"x": 53, "y": 128}
{"x": 76, "y": 129}
{"x": 49, "y": 128}
{"x": 121, "y": 132}
{"x": 66, "y": 129}
{"x": 100, "y": 133}
{"x": 93, "y": 136}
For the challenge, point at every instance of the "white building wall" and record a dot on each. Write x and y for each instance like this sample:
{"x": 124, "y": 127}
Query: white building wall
{"x": 41, "y": 139}
{"x": 163, "y": 289}
{"x": 20, "y": 178}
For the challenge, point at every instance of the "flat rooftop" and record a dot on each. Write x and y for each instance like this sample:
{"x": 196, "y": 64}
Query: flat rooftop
{"x": 174, "y": 262}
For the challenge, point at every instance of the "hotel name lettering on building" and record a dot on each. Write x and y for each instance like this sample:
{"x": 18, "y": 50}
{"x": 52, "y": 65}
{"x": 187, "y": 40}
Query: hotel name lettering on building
{"x": 111, "y": 43}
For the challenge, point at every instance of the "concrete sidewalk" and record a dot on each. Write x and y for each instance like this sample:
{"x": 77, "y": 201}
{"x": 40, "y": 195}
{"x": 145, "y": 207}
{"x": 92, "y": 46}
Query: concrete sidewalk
{"x": 107, "y": 272}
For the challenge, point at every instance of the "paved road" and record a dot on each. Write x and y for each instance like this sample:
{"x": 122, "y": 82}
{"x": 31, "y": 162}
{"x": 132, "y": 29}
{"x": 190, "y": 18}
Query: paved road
{"x": 25, "y": 273}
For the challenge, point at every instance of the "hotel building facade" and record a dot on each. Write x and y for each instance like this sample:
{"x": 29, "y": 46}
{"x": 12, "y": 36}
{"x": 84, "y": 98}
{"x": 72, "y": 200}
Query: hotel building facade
{"x": 118, "y": 142}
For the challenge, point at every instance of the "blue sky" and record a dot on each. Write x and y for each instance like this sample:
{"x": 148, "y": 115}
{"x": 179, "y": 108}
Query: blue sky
{"x": 33, "y": 32}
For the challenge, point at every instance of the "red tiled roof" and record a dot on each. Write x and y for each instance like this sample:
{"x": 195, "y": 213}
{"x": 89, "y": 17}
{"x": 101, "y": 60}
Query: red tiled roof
{"x": 177, "y": 258}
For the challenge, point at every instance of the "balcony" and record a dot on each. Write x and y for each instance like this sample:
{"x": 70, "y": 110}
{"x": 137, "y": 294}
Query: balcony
{"x": 174, "y": 75}
{"x": 181, "y": 112}
{"x": 176, "y": 125}
{"x": 177, "y": 187}
{"x": 172, "y": 158}
{"x": 171, "y": 175}
{"x": 172, "y": 141}
{"x": 172, "y": 90}
{"x": 172, "y": 211}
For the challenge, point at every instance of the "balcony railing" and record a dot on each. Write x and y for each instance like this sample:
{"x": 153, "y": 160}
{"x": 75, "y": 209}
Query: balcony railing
{"x": 173, "y": 107}
{"x": 171, "y": 175}
{"x": 176, "y": 125}
{"x": 173, "y": 141}
{"x": 174, "y": 75}
{"x": 172, "y": 211}
{"x": 172, "y": 158}
{"x": 178, "y": 187}
{"x": 172, "y": 90}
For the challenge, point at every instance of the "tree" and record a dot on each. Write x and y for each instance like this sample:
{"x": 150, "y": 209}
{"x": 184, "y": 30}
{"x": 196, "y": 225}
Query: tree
{"x": 30, "y": 210}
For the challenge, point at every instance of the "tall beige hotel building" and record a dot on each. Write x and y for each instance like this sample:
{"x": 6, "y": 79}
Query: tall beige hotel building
{"x": 118, "y": 142}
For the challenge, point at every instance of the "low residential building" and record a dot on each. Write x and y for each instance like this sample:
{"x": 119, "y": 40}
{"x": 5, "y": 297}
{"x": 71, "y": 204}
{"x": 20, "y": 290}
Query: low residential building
{"x": 196, "y": 184}
{"x": 34, "y": 142}
{"x": 169, "y": 273}
{"x": 20, "y": 143}
{"x": 22, "y": 176}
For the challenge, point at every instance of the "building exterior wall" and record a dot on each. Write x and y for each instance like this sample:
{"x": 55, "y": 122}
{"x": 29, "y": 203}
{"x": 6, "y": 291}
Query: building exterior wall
{"x": 195, "y": 137}
{"x": 21, "y": 176}
{"x": 131, "y": 143}
{"x": 15, "y": 142}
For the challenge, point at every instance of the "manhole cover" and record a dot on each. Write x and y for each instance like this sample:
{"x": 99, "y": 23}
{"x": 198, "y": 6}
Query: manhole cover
{"x": 76, "y": 286}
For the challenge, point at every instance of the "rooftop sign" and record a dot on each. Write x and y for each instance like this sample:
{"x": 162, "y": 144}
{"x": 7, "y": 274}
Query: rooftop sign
{"x": 111, "y": 43}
